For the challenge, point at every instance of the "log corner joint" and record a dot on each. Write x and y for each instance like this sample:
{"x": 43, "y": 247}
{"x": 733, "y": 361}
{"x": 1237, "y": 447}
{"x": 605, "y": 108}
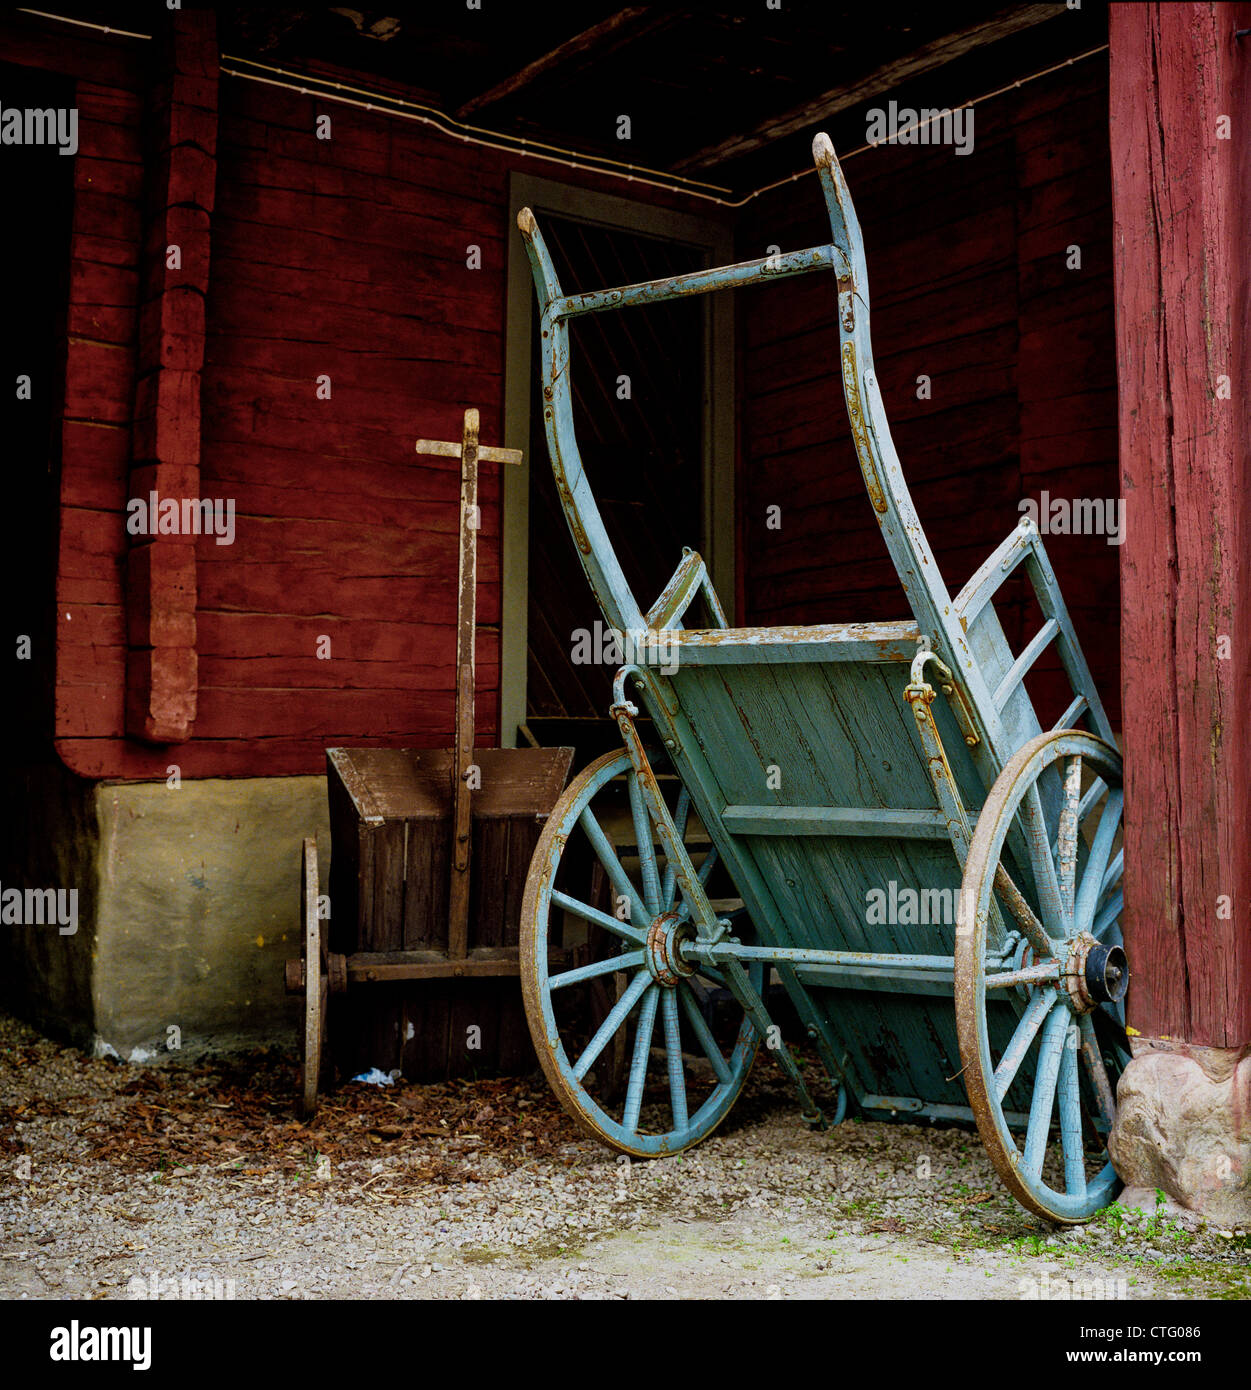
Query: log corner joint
{"x": 164, "y": 483}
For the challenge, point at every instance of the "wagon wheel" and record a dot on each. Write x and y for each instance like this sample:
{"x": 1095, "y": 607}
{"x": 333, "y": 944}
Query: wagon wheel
{"x": 315, "y": 956}
{"x": 603, "y": 993}
{"x": 1065, "y": 902}
{"x": 681, "y": 1082}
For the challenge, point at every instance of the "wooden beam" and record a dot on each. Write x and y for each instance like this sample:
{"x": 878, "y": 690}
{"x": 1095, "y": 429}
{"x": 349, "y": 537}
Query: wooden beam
{"x": 1181, "y": 202}
{"x": 462, "y": 751}
{"x": 375, "y": 967}
{"x": 935, "y": 54}
{"x": 469, "y": 452}
{"x": 600, "y": 38}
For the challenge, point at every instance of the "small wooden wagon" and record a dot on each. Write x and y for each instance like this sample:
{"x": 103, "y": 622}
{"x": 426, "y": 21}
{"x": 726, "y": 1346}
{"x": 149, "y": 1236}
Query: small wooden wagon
{"x": 436, "y": 943}
{"x": 837, "y": 771}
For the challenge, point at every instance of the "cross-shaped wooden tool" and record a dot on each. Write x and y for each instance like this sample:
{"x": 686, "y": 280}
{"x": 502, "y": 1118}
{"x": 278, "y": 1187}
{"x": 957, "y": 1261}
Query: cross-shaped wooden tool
{"x": 469, "y": 452}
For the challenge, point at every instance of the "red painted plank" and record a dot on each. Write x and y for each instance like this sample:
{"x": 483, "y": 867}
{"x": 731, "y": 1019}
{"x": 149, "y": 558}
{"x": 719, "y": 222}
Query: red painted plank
{"x": 121, "y": 178}
{"x": 32, "y": 41}
{"x": 373, "y": 643}
{"x": 89, "y": 624}
{"x": 98, "y": 382}
{"x": 250, "y": 757}
{"x": 259, "y": 152}
{"x": 431, "y": 672}
{"x": 94, "y": 459}
{"x": 104, "y": 249}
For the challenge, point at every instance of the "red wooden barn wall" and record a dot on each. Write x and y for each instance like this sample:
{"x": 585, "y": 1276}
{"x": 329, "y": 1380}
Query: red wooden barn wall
{"x": 344, "y": 257}
{"x": 969, "y": 286}
{"x": 100, "y": 375}
{"x": 347, "y": 257}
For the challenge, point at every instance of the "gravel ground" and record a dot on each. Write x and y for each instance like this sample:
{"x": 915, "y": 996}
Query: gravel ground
{"x": 121, "y": 1181}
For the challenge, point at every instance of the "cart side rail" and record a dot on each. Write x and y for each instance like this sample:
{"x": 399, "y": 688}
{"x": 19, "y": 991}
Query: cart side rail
{"x": 891, "y": 642}
{"x": 1024, "y": 546}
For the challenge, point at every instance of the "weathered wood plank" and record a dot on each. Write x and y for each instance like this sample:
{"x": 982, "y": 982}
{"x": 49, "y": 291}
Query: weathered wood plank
{"x": 1182, "y": 206}
{"x": 847, "y": 821}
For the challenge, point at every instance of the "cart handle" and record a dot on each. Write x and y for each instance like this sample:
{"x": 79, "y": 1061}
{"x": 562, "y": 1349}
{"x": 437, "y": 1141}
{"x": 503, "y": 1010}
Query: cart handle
{"x": 831, "y": 256}
{"x": 888, "y": 491}
{"x": 721, "y": 277}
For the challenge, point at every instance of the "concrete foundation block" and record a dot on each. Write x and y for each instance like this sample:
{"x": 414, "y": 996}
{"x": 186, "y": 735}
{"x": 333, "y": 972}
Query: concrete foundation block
{"x": 199, "y": 907}
{"x": 188, "y": 906}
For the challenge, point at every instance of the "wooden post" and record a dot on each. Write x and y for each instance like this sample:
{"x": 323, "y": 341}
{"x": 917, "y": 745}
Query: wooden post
{"x": 1181, "y": 168}
{"x": 466, "y": 604}
{"x": 462, "y": 749}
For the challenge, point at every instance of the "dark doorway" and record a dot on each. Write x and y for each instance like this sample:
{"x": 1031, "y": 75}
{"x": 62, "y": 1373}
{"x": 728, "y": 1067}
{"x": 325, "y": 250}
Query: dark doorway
{"x": 638, "y": 381}
{"x": 35, "y": 246}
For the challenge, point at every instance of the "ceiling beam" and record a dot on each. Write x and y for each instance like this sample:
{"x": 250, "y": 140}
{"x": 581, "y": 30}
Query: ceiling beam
{"x": 934, "y": 54}
{"x": 600, "y": 38}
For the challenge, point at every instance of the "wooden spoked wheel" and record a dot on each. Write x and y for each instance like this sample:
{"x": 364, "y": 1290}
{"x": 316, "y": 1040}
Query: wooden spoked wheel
{"x": 688, "y": 1045}
{"x": 315, "y": 956}
{"x": 1043, "y": 851}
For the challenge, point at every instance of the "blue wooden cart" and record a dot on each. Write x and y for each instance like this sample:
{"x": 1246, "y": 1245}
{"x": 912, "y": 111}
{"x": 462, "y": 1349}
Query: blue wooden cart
{"x": 932, "y": 876}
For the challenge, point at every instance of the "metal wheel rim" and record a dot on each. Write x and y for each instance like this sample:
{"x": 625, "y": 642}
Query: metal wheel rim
{"x": 540, "y": 1016}
{"x": 1013, "y": 783}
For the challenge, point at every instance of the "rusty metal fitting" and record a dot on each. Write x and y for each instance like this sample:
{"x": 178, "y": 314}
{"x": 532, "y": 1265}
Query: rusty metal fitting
{"x": 1094, "y": 974}
{"x": 664, "y": 956}
{"x": 1024, "y": 956}
{"x": 1107, "y": 973}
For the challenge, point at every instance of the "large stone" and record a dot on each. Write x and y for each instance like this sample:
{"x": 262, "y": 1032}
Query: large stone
{"x": 1183, "y": 1126}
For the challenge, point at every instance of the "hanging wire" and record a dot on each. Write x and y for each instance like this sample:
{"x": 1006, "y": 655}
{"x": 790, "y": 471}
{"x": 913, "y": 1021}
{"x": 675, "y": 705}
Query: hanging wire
{"x": 348, "y": 95}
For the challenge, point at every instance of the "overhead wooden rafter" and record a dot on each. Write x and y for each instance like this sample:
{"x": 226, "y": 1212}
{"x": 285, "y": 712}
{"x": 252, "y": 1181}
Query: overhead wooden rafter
{"x": 934, "y": 54}
{"x": 622, "y": 27}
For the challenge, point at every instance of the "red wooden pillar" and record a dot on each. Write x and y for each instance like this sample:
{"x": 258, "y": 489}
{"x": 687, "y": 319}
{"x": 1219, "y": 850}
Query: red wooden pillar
{"x": 1181, "y": 176}
{"x": 161, "y": 667}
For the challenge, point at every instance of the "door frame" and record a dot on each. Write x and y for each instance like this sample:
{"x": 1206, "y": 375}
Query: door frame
{"x": 714, "y": 237}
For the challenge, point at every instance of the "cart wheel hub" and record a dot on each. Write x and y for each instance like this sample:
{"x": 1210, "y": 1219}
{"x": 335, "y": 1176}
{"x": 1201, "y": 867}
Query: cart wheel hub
{"x": 663, "y": 951}
{"x": 1094, "y": 974}
{"x": 1107, "y": 973}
